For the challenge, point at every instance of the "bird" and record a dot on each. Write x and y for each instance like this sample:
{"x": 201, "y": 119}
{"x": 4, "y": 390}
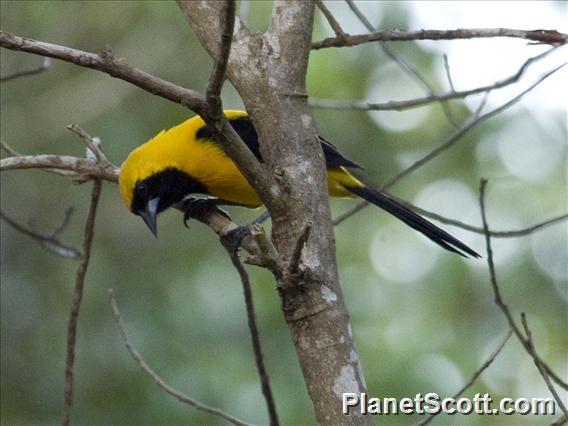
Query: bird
{"x": 187, "y": 160}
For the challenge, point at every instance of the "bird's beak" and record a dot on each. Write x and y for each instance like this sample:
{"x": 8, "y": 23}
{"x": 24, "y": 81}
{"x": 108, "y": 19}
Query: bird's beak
{"x": 149, "y": 215}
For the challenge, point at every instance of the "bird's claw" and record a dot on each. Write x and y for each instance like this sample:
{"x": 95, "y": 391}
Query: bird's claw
{"x": 234, "y": 238}
{"x": 200, "y": 208}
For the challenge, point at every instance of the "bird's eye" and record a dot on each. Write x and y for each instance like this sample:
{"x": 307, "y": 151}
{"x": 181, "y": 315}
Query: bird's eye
{"x": 141, "y": 189}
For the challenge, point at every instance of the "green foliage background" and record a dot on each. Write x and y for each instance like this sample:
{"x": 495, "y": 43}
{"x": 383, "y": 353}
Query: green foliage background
{"x": 179, "y": 295}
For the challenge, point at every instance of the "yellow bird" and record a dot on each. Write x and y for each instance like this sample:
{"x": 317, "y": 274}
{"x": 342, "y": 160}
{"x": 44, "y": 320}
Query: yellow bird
{"x": 187, "y": 160}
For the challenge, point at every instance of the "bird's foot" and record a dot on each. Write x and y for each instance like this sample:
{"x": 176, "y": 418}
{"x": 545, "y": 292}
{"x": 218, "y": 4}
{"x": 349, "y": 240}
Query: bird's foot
{"x": 200, "y": 208}
{"x": 234, "y": 238}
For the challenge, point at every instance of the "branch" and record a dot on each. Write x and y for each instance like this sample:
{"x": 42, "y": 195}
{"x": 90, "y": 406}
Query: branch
{"x": 217, "y": 77}
{"x": 213, "y": 115}
{"x": 253, "y": 327}
{"x": 44, "y": 66}
{"x": 551, "y": 37}
{"x": 406, "y": 67}
{"x": 223, "y": 226}
{"x": 83, "y": 168}
{"x": 478, "y": 230}
{"x": 76, "y": 302}
{"x": 469, "y": 124}
{"x": 475, "y": 375}
{"x": 331, "y": 19}
{"x": 562, "y": 420}
{"x": 532, "y": 350}
{"x": 94, "y": 151}
{"x": 434, "y": 97}
{"x": 9, "y": 150}
{"x": 158, "y": 380}
{"x": 497, "y": 293}
{"x": 106, "y": 63}
{"x": 48, "y": 241}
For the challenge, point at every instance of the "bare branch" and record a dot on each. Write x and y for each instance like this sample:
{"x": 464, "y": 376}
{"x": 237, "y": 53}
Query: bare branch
{"x": 469, "y": 124}
{"x": 48, "y": 241}
{"x": 449, "y": 73}
{"x": 551, "y": 37}
{"x": 93, "y": 145}
{"x": 84, "y": 169}
{"x": 485, "y": 365}
{"x": 532, "y": 350}
{"x": 268, "y": 256}
{"x": 222, "y": 225}
{"x": 44, "y": 66}
{"x": 495, "y": 234}
{"x": 9, "y": 149}
{"x": 331, "y": 20}
{"x": 562, "y": 420}
{"x": 497, "y": 293}
{"x": 106, "y": 63}
{"x": 255, "y": 335}
{"x": 76, "y": 302}
{"x": 475, "y": 375}
{"x": 434, "y": 97}
{"x": 217, "y": 77}
{"x": 405, "y": 66}
{"x": 65, "y": 222}
{"x": 158, "y": 380}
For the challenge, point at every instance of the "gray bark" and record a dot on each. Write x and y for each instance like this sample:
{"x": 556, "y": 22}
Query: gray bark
{"x": 269, "y": 70}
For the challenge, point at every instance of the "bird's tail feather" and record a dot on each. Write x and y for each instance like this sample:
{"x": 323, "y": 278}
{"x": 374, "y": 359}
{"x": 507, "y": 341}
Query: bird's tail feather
{"x": 415, "y": 221}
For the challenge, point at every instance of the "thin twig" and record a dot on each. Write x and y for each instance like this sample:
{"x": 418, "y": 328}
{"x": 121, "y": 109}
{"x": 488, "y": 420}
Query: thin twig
{"x": 405, "y": 66}
{"x": 76, "y": 302}
{"x": 267, "y": 256}
{"x": 454, "y": 137}
{"x": 485, "y": 365}
{"x": 212, "y": 112}
{"x": 157, "y": 379}
{"x": 475, "y": 120}
{"x": 475, "y": 375}
{"x": 331, "y": 19}
{"x": 217, "y": 77}
{"x": 478, "y": 230}
{"x": 433, "y": 97}
{"x": 386, "y": 49}
{"x": 497, "y": 293}
{"x": 532, "y": 349}
{"x": 48, "y": 241}
{"x": 562, "y": 420}
{"x": 65, "y": 222}
{"x": 9, "y": 149}
{"x": 255, "y": 336}
{"x": 92, "y": 144}
{"x": 84, "y": 169}
{"x": 551, "y": 37}
{"x": 44, "y": 66}
{"x": 449, "y": 74}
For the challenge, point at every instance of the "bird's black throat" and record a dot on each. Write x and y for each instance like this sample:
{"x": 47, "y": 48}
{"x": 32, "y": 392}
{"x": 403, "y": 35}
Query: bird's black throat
{"x": 170, "y": 186}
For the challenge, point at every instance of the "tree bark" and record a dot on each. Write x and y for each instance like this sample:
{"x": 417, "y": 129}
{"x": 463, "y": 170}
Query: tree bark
{"x": 269, "y": 70}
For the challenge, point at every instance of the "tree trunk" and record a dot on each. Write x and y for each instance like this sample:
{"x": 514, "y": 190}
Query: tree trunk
{"x": 269, "y": 70}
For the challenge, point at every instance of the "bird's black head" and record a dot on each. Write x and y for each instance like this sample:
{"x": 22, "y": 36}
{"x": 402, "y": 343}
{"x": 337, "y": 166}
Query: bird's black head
{"x": 160, "y": 191}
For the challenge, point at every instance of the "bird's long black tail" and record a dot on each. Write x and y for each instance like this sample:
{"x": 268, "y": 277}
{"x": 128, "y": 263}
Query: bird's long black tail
{"x": 415, "y": 221}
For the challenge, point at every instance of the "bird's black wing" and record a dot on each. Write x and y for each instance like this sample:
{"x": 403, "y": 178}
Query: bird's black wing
{"x": 333, "y": 158}
{"x": 243, "y": 126}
